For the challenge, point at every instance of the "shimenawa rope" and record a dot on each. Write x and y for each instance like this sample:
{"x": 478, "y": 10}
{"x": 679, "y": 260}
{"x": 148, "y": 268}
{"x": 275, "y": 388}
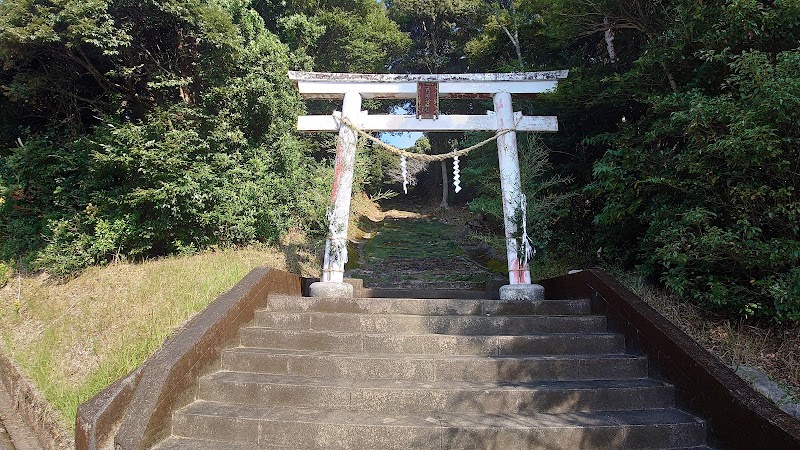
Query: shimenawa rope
{"x": 421, "y": 156}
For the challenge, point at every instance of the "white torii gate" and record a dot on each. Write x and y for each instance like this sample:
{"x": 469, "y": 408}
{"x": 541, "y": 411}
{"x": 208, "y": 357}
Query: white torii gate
{"x": 427, "y": 89}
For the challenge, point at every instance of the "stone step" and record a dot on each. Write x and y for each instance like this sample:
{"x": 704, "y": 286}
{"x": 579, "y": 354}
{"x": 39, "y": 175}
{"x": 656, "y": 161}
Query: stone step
{"x": 181, "y": 443}
{"x": 430, "y": 306}
{"x": 337, "y": 429}
{"x": 432, "y": 367}
{"x": 434, "y": 344}
{"x": 185, "y": 443}
{"x": 440, "y": 324}
{"x": 476, "y": 291}
{"x": 417, "y": 396}
{"x": 177, "y": 443}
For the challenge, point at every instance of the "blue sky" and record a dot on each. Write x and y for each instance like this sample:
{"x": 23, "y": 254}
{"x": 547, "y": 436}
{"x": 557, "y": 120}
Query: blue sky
{"x": 400, "y": 140}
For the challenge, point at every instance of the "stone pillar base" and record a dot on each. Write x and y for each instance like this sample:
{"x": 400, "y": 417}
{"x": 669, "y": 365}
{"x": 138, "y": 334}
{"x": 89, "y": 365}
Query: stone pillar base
{"x": 331, "y": 289}
{"x": 531, "y": 292}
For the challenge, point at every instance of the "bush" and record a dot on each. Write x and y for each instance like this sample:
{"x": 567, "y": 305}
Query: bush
{"x": 545, "y": 200}
{"x": 204, "y": 156}
{"x": 708, "y": 184}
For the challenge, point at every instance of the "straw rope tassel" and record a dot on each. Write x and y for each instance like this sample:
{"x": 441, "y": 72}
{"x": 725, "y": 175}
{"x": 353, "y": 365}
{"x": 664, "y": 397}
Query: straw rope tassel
{"x": 530, "y": 250}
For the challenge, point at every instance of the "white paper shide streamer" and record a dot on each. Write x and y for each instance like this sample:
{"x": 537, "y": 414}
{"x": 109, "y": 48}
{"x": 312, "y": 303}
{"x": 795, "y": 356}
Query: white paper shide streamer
{"x": 456, "y": 175}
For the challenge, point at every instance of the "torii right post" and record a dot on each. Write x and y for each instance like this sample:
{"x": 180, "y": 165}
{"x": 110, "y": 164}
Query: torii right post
{"x": 518, "y": 248}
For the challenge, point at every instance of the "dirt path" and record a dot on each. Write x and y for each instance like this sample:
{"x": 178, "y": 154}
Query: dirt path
{"x": 410, "y": 249}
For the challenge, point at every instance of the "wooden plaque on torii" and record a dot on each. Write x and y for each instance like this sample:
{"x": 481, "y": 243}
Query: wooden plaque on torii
{"x": 427, "y": 100}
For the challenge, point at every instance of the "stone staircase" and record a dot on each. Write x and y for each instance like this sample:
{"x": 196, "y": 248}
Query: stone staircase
{"x": 392, "y": 373}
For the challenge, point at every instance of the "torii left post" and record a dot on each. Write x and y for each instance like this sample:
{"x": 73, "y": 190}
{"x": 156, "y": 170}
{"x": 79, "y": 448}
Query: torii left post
{"x": 332, "y": 282}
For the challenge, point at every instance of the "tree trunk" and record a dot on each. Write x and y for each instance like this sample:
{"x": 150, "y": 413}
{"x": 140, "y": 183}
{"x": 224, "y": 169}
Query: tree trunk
{"x": 445, "y": 186}
{"x": 185, "y": 67}
{"x": 514, "y": 38}
{"x": 670, "y": 78}
{"x": 609, "y": 37}
{"x": 519, "y": 52}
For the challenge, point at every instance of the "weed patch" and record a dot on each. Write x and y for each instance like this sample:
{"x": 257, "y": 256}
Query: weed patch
{"x": 775, "y": 349}
{"x": 5, "y": 274}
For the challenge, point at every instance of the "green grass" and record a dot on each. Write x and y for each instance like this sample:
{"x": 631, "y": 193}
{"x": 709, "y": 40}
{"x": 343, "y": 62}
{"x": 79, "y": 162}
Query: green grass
{"x": 74, "y": 339}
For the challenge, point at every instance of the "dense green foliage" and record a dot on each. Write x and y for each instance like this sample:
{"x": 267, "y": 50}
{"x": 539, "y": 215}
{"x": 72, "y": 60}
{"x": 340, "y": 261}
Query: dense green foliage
{"x": 130, "y": 129}
{"x": 711, "y": 188}
{"x": 700, "y": 181}
{"x": 147, "y": 128}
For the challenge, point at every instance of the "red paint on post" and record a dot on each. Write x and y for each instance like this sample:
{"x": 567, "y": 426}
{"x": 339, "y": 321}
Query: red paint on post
{"x": 337, "y": 172}
{"x": 519, "y": 271}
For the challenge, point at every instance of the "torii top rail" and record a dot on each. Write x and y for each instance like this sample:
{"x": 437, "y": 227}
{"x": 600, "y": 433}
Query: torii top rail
{"x": 427, "y": 89}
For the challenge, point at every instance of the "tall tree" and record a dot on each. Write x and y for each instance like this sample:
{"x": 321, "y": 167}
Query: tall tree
{"x": 508, "y": 26}
{"x": 439, "y": 32}
{"x": 337, "y": 36}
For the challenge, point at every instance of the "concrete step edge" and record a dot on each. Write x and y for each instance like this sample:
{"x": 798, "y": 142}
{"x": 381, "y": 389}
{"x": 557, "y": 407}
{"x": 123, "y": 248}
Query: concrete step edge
{"x": 432, "y": 343}
{"x": 543, "y": 336}
{"x": 434, "y": 367}
{"x": 182, "y": 443}
{"x": 436, "y": 306}
{"x": 420, "y": 324}
{"x": 327, "y": 428}
{"x": 486, "y": 299}
{"x": 384, "y": 316}
{"x": 474, "y": 420}
{"x": 416, "y": 396}
{"x": 262, "y": 378}
{"x": 416, "y": 356}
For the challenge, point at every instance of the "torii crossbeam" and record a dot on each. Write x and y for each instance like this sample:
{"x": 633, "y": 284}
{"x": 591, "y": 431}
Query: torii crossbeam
{"x": 427, "y": 89}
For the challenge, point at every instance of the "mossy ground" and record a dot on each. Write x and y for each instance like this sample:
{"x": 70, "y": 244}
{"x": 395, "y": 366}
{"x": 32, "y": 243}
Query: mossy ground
{"x": 417, "y": 249}
{"x": 414, "y": 238}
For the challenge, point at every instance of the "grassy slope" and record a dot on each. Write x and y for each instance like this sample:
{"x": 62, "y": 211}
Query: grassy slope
{"x": 75, "y": 338}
